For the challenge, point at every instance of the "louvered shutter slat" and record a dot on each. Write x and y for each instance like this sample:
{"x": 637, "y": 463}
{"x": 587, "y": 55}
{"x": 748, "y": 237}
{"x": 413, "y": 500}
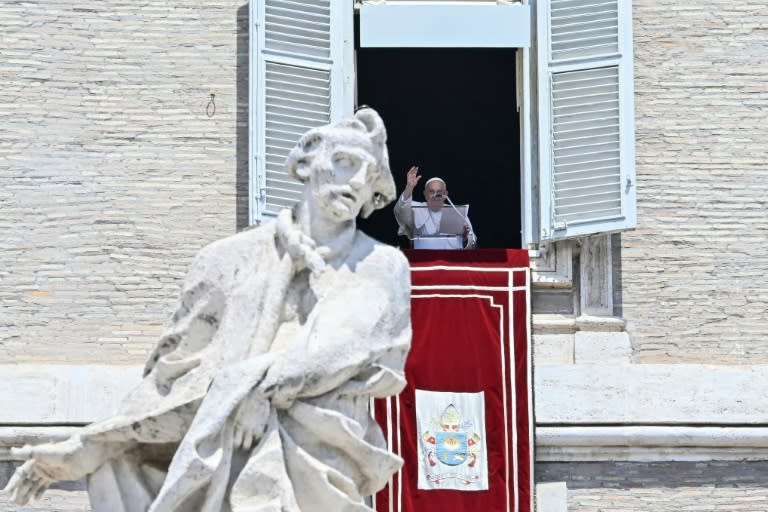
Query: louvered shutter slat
{"x": 311, "y": 24}
{"x": 298, "y": 119}
{"x": 591, "y": 168}
{"x": 583, "y": 131}
{"x": 300, "y": 79}
{"x": 319, "y": 6}
{"x": 586, "y": 199}
{"x": 284, "y": 134}
{"x": 309, "y": 94}
{"x": 282, "y": 189}
{"x": 585, "y": 180}
{"x": 584, "y": 149}
{"x": 300, "y": 44}
{"x": 316, "y": 32}
{"x": 585, "y": 26}
{"x": 312, "y": 110}
{"x": 292, "y": 123}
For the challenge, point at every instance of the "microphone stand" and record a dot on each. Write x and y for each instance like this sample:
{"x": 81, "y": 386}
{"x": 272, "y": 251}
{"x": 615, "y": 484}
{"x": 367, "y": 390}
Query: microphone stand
{"x": 471, "y": 238}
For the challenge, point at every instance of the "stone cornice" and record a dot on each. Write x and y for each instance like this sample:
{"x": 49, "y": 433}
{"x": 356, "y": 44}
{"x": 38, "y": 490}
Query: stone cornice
{"x": 650, "y": 443}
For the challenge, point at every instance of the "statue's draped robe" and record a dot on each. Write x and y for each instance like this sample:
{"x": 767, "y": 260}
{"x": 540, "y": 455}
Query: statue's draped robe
{"x": 321, "y": 451}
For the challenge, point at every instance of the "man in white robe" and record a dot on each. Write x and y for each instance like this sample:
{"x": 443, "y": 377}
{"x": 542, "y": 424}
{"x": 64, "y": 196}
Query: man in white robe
{"x": 256, "y": 397}
{"x": 413, "y": 222}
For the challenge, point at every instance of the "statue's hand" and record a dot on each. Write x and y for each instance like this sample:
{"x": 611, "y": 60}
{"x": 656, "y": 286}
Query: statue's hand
{"x": 49, "y": 463}
{"x": 250, "y": 420}
{"x": 26, "y": 483}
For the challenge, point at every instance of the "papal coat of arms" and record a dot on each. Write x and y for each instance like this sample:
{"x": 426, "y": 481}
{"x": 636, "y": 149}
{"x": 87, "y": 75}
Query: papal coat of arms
{"x": 452, "y": 446}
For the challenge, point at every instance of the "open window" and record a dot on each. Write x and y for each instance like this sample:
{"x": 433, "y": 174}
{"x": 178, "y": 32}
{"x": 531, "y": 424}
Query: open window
{"x": 570, "y": 63}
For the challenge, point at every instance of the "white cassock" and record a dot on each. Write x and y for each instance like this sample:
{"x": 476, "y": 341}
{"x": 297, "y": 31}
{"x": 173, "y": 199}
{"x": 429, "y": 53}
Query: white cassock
{"x": 420, "y": 221}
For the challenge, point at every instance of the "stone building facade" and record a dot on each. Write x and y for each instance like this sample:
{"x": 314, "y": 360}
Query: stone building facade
{"x": 124, "y": 150}
{"x": 673, "y": 417}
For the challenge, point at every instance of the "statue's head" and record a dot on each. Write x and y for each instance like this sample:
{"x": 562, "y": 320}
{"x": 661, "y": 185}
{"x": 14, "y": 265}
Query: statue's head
{"x": 345, "y": 166}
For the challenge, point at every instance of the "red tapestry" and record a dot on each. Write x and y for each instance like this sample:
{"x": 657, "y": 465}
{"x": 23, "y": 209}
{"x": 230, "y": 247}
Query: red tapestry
{"x": 470, "y": 339}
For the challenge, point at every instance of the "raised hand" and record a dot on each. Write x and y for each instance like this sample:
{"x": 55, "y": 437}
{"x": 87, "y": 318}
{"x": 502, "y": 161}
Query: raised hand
{"x": 411, "y": 179}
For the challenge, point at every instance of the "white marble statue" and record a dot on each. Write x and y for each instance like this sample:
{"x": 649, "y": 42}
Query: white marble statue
{"x": 256, "y": 397}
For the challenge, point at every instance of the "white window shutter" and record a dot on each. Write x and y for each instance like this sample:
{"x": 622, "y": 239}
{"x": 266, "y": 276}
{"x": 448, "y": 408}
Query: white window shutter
{"x": 586, "y": 117}
{"x": 300, "y": 75}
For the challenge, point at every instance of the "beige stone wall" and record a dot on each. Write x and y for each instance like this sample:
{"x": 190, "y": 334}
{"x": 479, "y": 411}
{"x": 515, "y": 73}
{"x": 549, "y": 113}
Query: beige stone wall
{"x": 693, "y": 275}
{"x": 112, "y": 175}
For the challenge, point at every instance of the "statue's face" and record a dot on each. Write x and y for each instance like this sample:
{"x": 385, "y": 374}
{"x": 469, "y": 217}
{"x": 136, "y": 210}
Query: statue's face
{"x": 342, "y": 173}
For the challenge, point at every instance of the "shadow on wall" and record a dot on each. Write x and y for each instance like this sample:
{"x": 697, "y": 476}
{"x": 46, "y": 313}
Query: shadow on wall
{"x": 241, "y": 120}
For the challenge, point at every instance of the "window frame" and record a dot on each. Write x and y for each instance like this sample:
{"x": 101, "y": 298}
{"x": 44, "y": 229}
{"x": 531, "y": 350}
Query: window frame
{"x": 535, "y": 192}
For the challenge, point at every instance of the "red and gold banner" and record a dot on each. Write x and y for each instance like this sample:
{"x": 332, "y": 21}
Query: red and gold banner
{"x": 463, "y": 424}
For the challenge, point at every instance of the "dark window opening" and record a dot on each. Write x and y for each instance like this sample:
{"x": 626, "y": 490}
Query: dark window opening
{"x": 453, "y": 113}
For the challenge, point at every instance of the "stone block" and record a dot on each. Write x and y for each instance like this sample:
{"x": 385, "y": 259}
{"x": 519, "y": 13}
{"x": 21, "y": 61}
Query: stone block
{"x": 601, "y": 348}
{"x": 551, "y": 497}
{"x": 653, "y": 394}
{"x": 552, "y": 349}
{"x": 63, "y": 394}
